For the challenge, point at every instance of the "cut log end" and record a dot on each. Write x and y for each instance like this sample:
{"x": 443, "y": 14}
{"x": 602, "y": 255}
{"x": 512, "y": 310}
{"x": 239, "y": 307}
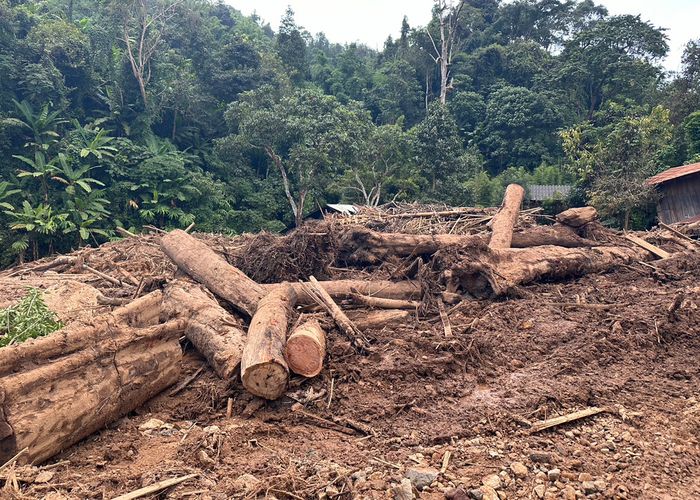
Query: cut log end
{"x": 267, "y": 380}
{"x": 306, "y": 349}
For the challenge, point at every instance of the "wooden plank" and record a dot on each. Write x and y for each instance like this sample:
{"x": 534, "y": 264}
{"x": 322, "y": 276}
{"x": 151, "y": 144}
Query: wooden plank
{"x": 660, "y": 253}
{"x": 565, "y": 419}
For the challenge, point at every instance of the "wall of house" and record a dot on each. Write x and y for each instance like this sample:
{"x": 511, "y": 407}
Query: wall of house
{"x": 680, "y": 199}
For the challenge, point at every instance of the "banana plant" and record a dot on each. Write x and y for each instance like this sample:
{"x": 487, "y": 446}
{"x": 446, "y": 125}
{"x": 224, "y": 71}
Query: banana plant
{"x": 38, "y": 222}
{"x": 73, "y": 178}
{"x": 40, "y": 169}
{"x": 5, "y": 192}
{"x": 94, "y": 141}
{"x": 42, "y": 125}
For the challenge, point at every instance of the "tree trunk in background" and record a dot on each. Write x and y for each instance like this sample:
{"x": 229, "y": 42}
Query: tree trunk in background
{"x": 504, "y": 221}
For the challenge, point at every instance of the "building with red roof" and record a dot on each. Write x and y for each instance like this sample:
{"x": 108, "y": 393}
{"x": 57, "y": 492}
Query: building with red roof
{"x": 680, "y": 193}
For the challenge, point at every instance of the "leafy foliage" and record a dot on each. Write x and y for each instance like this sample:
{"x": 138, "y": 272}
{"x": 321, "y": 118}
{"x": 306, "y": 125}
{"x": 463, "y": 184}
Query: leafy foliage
{"x": 29, "y": 319}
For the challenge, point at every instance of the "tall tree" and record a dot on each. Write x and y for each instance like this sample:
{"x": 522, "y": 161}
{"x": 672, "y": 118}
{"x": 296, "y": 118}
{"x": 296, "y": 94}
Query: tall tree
{"x": 447, "y": 16}
{"x": 291, "y": 47}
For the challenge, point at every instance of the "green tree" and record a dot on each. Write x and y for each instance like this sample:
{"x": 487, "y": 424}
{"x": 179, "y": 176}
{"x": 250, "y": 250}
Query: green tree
{"x": 291, "y": 47}
{"x": 307, "y": 136}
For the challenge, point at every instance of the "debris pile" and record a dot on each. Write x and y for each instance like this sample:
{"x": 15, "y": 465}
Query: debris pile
{"x": 253, "y": 308}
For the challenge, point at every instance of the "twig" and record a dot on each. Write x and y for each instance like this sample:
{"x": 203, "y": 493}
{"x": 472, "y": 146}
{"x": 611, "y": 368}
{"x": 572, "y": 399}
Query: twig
{"x": 155, "y": 487}
{"x": 102, "y": 275}
{"x": 445, "y": 461}
{"x": 678, "y": 233}
{"x": 445, "y": 319}
{"x": 229, "y": 408}
{"x": 565, "y": 419}
{"x": 330, "y": 394}
{"x": 155, "y": 229}
{"x": 125, "y": 233}
{"x": 13, "y": 459}
{"x": 189, "y": 228}
{"x": 186, "y": 382}
{"x": 395, "y": 466}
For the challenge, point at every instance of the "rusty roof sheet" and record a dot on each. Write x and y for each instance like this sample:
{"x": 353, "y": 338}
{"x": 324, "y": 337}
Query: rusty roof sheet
{"x": 673, "y": 173}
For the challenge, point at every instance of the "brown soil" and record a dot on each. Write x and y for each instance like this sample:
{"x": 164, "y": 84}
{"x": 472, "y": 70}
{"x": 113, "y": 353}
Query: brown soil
{"x": 416, "y": 395}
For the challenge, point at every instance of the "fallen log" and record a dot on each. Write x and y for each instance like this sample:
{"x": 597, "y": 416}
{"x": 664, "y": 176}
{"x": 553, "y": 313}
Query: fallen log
{"x": 504, "y": 221}
{"x": 211, "y": 329}
{"x": 33, "y": 353}
{"x": 343, "y": 289}
{"x": 264, "y": 371}
{"x": 375, "y": 320}
{"x": 577, "y": 217}
{"x": 49, "y": 405}
{"x": 201, "y": 263}
{"x": 499, "y": 272}
{"x": 362, "y": 245}
{"x": 306, "y": 348}
{"x": 380, "y": 303}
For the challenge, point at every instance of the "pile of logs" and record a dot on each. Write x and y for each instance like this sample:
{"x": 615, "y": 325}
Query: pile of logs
{"x": 59, "y": 389}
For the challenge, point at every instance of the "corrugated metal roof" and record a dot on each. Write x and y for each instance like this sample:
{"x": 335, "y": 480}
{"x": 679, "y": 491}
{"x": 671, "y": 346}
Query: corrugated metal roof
{"x": 343, "y": 208}
{"x": 542, "y": 192}
{"x": 673, "y": 173}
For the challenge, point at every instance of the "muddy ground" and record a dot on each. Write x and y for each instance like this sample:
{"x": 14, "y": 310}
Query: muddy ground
{"x": 452, "y": 414}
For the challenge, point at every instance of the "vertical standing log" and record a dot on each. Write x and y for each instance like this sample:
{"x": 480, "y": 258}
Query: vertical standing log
{"x": 205, "y": 266}
{"x": 264, "y": 371}
{"x": 306, "y": 348}
{"x": 504, "y": 221}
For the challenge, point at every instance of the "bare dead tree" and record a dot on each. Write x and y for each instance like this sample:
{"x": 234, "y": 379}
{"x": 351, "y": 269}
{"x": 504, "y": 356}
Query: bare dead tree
{"x": 448, "y": 17}
{"x": 143, "y": 27}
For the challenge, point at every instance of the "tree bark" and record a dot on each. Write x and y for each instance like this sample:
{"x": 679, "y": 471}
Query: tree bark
{"x": 577, "y": 217}
{"x": 343, "y": 289}
{"x": 211, "y": 329}
{"x": 504, "y": 221}
{"x": 264, "y": 371}
{"x": 48, "y": 406}
{"x": 499, "y": 272}
{"x": 205, "y": 266}
{"x": 75, "y": 337}
{"x": 306, "y": 349}
{"x": 374, "y": 320}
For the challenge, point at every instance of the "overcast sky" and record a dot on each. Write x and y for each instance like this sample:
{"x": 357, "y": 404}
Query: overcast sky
{"x": 371, "y": 21}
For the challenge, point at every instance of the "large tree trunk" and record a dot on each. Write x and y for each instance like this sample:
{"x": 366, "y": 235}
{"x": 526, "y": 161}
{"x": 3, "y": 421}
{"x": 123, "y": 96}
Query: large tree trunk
{"x": 577, "y": 217}
{"x": 264, "y": 371}
{"x": 211, "y": 329}
{"x": 141, "y": 312}
{"x": 498, "y": 272}
{"x": 504, "y": 221}
{"x": 306, "y": 348}
{"x": 362, "y": 245}
{"x": 345, "y": 289}
{"x": 54, "y": 400}
{"x": 205, "y": 266}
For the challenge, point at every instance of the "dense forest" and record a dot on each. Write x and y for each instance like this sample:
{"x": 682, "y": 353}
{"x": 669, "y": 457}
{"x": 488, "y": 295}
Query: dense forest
{"x": 167, "y": 112}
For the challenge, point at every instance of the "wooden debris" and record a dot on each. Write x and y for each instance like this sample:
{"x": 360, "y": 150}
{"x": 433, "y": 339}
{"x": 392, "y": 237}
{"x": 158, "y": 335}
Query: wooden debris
{"x": 660, "y": 253}
{"x": 445, "y": 319}
{"x": 264, "y": 370}
{"x": 504, "y": 221}
{"x": 565, "y": 419}
{"x": 381, "y": 303}
{"x": 577, "y": 217}
{"x": 155, "y": 487}
{"x": 306, "y": 348}
{"x": 186, "y": 382}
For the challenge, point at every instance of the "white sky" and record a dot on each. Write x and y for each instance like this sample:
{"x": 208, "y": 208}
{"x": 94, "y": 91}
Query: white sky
{"x": 371, "y": 21}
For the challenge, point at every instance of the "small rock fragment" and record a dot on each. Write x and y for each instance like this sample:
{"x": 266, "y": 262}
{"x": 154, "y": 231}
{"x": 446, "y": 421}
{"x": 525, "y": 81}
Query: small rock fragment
{"x": 539, "y": 490}
{"x": 476, "y": 494}
{"x": 569, "y": 493}
{"x": 585, "y": 476}
{"x": 44, "y": 476}
{"x": 489, "y": 493}
{"x": 404, "y": 491}
{"x": 519, "y": 469}
{"x": 456, "y": 494}
{"x": 421, "y": 477}
{"x": 541, "y": 457}
{"x": 589, "y": 487}
{"x": 152, "y": 424}
{"x": 492, "y": 480}
{"x": 553, "y": 475}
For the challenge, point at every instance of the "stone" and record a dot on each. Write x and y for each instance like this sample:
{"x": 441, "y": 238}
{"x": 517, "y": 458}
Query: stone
{"x": 589, "y": 487}
{"x": 519, "y": 469}
{"x": 539, "y": 490}
{"x": 502, "y": 495}
{"x": 489, "y": 493}
{"x": 569, "y": 493}
{"x": 541, "y": 457}
{"x": 404, "y": 491}
{"x": 540, "y": 477}
{"x": 493, "y": 481}
{"x": 44, "y": 476}
{"x": 246, "y": 484}
{"x": 476, "y": 494}
{"x": 585, "y": 476}
{"x": 456, "y": 494}
{"x": 421, "y": 477}
{"x": 152, "y": 424}
{"x": 600, "y": 484}
{"x": 553, "y": 475}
